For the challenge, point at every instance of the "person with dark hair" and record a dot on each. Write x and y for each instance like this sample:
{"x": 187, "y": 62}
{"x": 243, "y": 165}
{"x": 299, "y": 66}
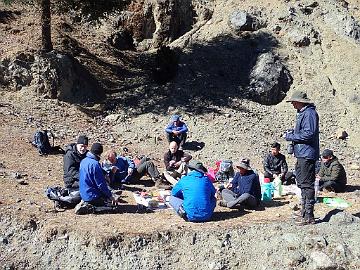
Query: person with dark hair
{"x": 74, "y": 154}
{"x": 332, "y": 175}
{"x": 244, "y": 190}
{"x": 193, "y": 197}
{"x": 176, "y": 131}
{"x": 275, "y": 164}
{"x": 93, "y": 187}
{"x": 305, "y": 141}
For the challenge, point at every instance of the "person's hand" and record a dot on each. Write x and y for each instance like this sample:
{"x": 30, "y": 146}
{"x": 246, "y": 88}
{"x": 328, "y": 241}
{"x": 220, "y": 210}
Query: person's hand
{"x": 228, "y": 185}
{"x": 130, "y": 171}
{"x": 171, "y": 163}
{"x": 114, "y": 169}
{"x": 176, "y": 132}
{"x": 317, "y": 177}
{"x": 177, "y": 164}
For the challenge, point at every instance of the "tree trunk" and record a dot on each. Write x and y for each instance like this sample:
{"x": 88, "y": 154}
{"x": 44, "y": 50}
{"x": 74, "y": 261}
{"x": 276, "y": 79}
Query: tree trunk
{"x": 46, "y": 26}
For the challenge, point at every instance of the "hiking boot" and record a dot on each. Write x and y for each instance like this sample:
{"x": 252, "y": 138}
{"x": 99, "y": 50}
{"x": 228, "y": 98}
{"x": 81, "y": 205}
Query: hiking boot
{"x": 223, "y": 203}
{"x": 305, "y": 221}
{"x": 83, "y": 208}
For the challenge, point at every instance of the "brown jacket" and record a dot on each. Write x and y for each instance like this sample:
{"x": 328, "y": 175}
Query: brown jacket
{"x": 168, "y": 156}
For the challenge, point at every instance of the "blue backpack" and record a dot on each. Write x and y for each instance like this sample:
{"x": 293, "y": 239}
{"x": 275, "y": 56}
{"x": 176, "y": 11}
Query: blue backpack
{"x": 41, "y": 142}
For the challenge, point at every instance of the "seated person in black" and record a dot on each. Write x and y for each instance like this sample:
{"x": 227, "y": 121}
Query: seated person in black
{"x": 275, "y": 164}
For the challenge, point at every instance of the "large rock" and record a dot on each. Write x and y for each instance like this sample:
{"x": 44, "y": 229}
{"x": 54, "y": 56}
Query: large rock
{"x": 269, "y": 80}
{"x": 122, "y": 40}
{"x": 53, "y": 75}
{"x": 242, "y": 21}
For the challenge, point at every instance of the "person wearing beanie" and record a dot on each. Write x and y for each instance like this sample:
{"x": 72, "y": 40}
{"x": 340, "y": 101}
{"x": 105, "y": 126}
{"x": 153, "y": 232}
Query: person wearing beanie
{"x": 332, "y": 175}
{"x": 74, "y": 154}
{"x": 176, "y": 131}
{"x": 93, "y": 187}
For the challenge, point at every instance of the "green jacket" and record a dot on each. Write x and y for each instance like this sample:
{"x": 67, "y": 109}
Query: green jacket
{"x": 333, "y": 171}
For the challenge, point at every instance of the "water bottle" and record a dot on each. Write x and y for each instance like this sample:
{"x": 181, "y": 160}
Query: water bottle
{"x": 290, "y": 148}
{"x": 277, "y": 187}
{"x": 267, "y": 189}
{"x": 316, "y": 189}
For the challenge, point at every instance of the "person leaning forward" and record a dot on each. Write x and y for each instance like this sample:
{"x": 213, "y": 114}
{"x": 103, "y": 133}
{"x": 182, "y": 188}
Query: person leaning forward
{"x": 305, "y": 139}
{"x": 74, "y": 154}
{"x": 175, "y": 161}
{"x": 332, "y": 175}
{"x": 93, "y": 186}
{"x": 244, "y": 190}
{"x": 193, "y": 197}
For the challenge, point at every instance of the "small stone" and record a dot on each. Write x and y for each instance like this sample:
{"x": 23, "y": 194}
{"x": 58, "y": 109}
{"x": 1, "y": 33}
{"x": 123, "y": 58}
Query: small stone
{"x": 322, "y": 261}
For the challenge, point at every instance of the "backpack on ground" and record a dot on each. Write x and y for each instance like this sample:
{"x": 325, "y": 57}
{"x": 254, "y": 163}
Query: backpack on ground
{"x": 41, "y": 142}
{"x": 225, "y": 172}
{"x": 63, "y": 198}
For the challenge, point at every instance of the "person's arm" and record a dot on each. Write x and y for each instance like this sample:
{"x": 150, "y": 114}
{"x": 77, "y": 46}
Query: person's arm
{"x": 247, "y": 184}
{"x": 334, "y": 174}
{"x": 71, "y": 172}
{"x": 284, "y": 166}
{"x": 267, "y": 167}
{"x": 235, "y": 183}
{"x": 186, "y": 157}
{"x": 169, "y": 128}
{"x": 167, "y": 159}
{"x": 101, "y": 182}
{"x": 322, "y": 170}
{"x": 308, "y": 131}
{"x": 177, "y": 190}
{"x": 183, "y": 128}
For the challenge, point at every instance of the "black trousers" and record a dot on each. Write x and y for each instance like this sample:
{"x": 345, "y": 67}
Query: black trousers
{"x": 331, "y": 185}
{"x": 305, "y": 178}
{"x": 179, "y": 139}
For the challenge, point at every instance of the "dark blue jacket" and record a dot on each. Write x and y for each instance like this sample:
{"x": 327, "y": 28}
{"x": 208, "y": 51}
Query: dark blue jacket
{"x": 181, "y": 127}
{"x": 122, "y": 163}
{"x": 198, "y": 194}
{"x": 306, "y": 134}
{"x": 92, "y": 181}
{"x": 248, "y": 183}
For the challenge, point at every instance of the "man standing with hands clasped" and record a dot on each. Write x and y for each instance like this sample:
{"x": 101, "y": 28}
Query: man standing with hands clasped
{"x": 305, "y": 139}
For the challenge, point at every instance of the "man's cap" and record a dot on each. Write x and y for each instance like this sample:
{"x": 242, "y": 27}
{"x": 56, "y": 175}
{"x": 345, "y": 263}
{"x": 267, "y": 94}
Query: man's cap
{"x": 300, "y": 96}
{"x": 96, "y": 149}
{"x": 197, "y": 166}
{"x": 243, "y": 163}
{"x": 83, "y": 140}
{"x": 275, "y": 145}
{"x": 327, "y": 153}
{"x": 175, "y": 118}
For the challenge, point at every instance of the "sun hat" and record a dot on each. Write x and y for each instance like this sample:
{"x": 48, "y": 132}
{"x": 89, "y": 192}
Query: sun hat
{"x": 243, "y": 163}
{"x": 197, "y": 166}
{"x": 300, "y": 96}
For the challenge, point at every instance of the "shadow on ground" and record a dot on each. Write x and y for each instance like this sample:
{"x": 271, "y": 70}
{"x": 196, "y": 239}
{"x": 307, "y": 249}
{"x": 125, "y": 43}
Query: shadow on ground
{"x": 209, "y": 75}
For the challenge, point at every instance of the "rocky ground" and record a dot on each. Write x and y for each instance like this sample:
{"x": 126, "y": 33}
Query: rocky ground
{"x": 218, "y": 89}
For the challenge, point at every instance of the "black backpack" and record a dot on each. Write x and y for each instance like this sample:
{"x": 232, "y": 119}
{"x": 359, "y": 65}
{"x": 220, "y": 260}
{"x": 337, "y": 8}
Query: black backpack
{"x": 63, "y": 198}
{"x": 41, "y": 142}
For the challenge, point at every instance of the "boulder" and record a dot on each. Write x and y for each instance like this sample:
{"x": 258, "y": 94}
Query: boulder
{"x": 269, "y": 80}
{"x": 242, "y": 21}
{"x": 298, "y": 38}
{"x": 322, "y": 261}
{"x": 122, "y": 40}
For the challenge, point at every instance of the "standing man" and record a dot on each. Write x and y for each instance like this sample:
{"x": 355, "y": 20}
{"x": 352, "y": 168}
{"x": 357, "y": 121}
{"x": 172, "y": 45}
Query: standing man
{"x": 176, "y": 131}
{"x": 74, "y": 153}
{"x": 305, "y": 138}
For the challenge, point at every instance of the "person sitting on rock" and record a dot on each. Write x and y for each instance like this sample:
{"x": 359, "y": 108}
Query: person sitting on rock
{"x": 176, "y": 131}
{"x": 275, "y": 164}
{"x": 74, "y": 154}
{"x": 175, "y": 161}
{"x": 193, "y": 197}
{"x": 244, "y": 190}
{"x": 122, "y": 169}
{"x": 93, "y": 186}
{"x": 332, "y": 175}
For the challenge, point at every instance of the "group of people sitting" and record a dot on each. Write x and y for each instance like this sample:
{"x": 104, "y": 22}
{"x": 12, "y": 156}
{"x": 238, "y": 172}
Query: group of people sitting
{"x": 193, "y": 193}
